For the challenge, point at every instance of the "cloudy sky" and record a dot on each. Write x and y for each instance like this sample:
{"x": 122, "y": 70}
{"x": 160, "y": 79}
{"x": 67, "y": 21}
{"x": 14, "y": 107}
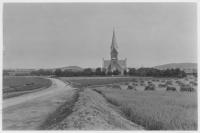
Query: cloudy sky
{"x": 66, "y": 34}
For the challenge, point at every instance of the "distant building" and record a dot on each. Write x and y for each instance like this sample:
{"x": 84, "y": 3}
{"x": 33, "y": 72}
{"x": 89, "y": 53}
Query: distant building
{"x": 114, "y": 63}
{"x": 190, "y": 72}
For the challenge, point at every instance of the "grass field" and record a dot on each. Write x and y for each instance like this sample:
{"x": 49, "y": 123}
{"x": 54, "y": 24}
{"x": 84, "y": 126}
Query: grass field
{"x": 15, "y": 86}
{"x": 154, "y": 110}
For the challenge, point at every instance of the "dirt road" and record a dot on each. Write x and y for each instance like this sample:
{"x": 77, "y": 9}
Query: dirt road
{"x": 27, "y": 112}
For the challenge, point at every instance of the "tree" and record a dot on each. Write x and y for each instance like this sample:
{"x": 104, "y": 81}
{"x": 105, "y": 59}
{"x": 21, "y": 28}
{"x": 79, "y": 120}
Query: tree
{"x": 183, "y": 74}
{"x": 98, "y": 71}
{"x": 141, "y": 72}
{"x": 42, "y": 72}
{"x": 132, "y": 72}
{"x": 109, "y": 73}
{"x": 87, "y": 72}
{"x": 117, "y": 72}
{"x": 103, "y": 73}
{"x": 58, "y": 72}
{"x": 125, "y": 72}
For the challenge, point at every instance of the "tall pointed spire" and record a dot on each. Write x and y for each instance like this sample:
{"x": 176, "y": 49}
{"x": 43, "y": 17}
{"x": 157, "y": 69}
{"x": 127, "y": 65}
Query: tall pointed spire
{"x": 114, "y": 43}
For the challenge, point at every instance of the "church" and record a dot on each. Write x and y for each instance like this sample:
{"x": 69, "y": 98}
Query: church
{"x": 114, "y": 63}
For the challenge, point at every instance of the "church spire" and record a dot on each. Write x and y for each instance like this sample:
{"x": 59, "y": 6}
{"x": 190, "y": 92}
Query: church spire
{"x": 114, "y": 43}
{"x": 114, "y": 48}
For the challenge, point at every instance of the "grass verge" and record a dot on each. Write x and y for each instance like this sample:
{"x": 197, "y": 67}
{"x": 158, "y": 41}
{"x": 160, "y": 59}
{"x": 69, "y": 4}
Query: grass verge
{"x": 60, "y": 113}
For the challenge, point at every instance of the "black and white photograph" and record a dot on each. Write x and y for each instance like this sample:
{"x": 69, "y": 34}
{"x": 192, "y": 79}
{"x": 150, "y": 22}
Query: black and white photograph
{"x": 99, "y": 66}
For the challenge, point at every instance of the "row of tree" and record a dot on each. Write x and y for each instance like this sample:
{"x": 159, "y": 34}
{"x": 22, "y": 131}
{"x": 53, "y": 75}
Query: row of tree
{"x": 156, "y": 72}
{"x": 99, "y": 72}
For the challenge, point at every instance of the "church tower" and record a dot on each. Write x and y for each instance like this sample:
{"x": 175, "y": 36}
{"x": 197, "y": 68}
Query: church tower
{"x": 114, "y": 64}
{"x": 114, "y": 48}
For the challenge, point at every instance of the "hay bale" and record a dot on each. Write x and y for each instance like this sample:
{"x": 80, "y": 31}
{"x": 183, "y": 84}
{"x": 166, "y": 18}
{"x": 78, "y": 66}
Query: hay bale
{"x": 169, "y": 82}
{"x": 194, "y": 84}
{"x": 171, "y": 89}
{"x": 131, "y": 88}
{"x": 142, "y": 81}
{"x": 150, "y": 88}
{"x": 115, "y": 86}
{"x": 109, "y": 85}
{"x": 134, "y": 80}
{"x": 142, "y": 84}
{"x": 187, "y": 88}
{"x": 135, "y": 84}
{"x": 162, "y": 85}
{"x": 126, "y": 83}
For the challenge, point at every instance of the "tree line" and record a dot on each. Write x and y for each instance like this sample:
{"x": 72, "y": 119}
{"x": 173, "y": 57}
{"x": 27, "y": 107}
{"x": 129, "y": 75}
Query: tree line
{"x": 101, "y": 72}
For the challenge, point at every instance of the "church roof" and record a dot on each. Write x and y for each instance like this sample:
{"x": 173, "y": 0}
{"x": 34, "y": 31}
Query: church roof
{"x": 106, "y": 63}
{"x": 114, "y": 43}
{"x": 122, "y": 63}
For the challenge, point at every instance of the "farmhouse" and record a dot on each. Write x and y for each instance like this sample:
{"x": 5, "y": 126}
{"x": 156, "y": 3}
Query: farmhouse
{"x": 190, "y": 72}
{"x": 114, "y": 63}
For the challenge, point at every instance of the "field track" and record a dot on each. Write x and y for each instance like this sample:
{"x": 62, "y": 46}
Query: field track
{"x": 21, "y": 115}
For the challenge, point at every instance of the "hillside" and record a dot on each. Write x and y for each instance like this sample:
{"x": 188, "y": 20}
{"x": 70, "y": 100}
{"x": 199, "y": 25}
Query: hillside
{"x": 178, "y": 65}
{"x": 73, "y": 68}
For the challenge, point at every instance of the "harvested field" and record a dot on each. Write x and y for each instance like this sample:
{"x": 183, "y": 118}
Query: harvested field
{"x": 156, "y": 110}
{"x": 16, "y": 86}
{"x": 87, "y": 81}
{"x": 20, "y": 81}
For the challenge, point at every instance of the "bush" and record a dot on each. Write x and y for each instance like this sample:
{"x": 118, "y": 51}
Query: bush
{"x": 171, "y": 89}
{"x": 115, "y": 86}
{"x": 131, "y": 88}
{"x": 187, "y": 88}
{"x": 150, "y": 87}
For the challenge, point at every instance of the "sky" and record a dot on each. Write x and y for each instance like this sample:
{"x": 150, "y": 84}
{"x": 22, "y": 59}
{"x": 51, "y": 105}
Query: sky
{"x": 53, "y": 35}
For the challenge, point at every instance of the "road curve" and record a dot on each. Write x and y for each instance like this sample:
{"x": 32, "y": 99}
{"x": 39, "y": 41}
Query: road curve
{"x": 29, "y": 111}
{"x": 57, "y": 86}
